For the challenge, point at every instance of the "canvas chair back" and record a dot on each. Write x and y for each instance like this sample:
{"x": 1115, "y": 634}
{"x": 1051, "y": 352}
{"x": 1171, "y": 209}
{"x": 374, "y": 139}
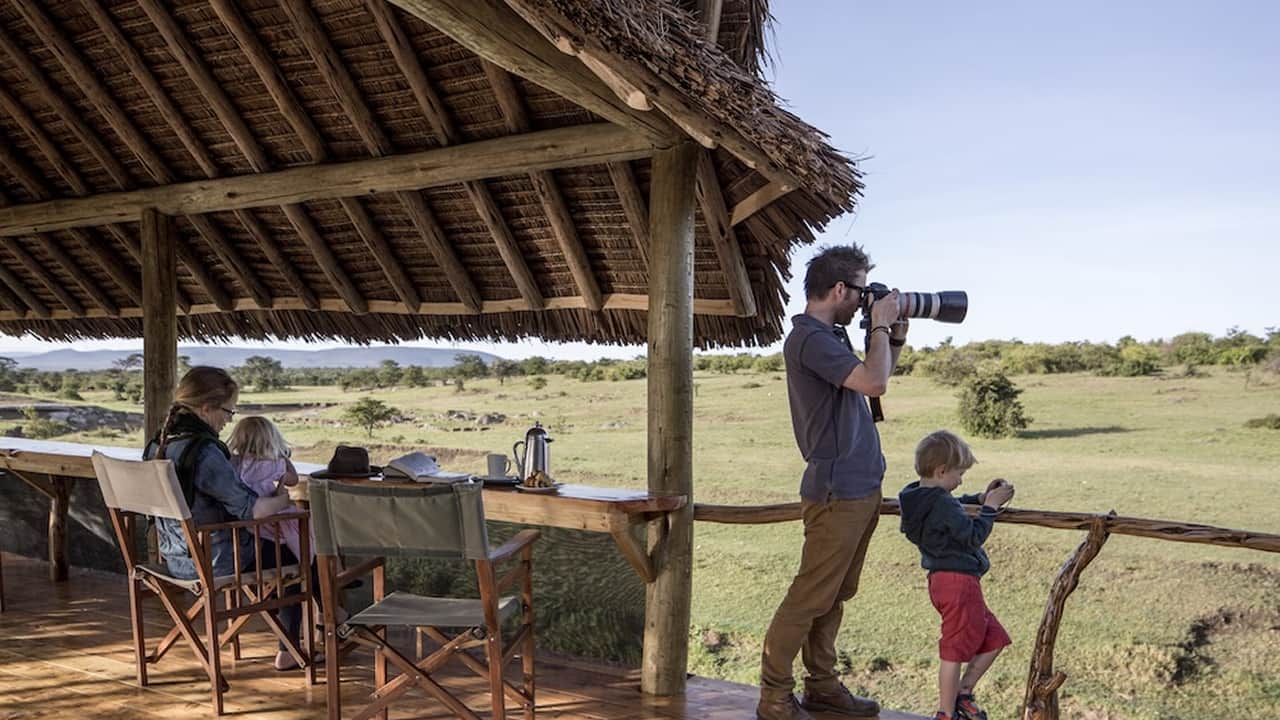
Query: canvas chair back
{"x": 146, "y": 487}
{"x": 374, "y": 519}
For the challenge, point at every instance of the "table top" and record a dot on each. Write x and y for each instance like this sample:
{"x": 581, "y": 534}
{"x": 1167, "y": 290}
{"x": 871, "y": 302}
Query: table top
{"x": 583, "y": 507}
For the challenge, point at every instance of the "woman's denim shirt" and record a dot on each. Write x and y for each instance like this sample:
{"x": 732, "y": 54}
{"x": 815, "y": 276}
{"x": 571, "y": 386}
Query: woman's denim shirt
{"x": 219, "y": 497}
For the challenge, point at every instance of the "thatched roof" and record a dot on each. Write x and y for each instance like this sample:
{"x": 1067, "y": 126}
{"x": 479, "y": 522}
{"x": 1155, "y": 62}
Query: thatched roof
{"x": 507, "y": 204}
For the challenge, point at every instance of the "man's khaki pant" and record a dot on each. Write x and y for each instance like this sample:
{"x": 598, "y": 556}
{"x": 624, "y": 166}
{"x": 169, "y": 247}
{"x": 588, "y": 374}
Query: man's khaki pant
{"x": 836, "y": 535}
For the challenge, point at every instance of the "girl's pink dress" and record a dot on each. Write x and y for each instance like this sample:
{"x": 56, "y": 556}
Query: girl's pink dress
{"x": 261, "y": 475}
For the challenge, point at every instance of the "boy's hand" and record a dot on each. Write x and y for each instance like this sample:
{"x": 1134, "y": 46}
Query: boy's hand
{"x": 998, "y": 493}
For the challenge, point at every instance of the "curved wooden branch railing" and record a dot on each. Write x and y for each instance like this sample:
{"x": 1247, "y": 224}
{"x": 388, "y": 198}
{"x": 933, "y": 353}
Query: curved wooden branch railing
{"x": 1041, "y": 699}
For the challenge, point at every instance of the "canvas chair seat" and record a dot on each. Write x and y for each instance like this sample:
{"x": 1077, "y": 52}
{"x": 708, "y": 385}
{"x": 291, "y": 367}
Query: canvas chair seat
{"x": 292, "y": 575}
{"x": 402, "y": 608}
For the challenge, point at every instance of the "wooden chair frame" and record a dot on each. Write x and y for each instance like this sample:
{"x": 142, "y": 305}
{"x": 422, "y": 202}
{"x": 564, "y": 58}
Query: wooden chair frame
{"x": 497, "y": 653}
{"x": 263, "y": 589}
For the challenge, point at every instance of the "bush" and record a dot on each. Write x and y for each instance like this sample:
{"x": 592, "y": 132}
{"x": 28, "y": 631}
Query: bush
{"x": 948, "y": 367}
{"x": 537, "y": 382}
{"x": 989, "y": 406}
{"x": 1134, "y": 360}
{"x": 1270, "y": 422}
{"x": 41, "y": 428}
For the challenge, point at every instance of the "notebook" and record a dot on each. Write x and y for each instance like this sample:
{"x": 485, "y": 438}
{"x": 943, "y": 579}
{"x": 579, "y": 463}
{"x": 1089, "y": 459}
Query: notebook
{"x": 420, "y": 467}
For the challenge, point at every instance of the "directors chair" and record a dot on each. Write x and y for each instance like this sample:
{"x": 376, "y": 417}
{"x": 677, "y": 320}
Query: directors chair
{"x": 135, "y": 488}
{"x": 381, "y": 520}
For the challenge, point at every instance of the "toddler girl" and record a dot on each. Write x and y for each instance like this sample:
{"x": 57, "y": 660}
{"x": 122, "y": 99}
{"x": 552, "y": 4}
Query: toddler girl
{"x": 260, "y": 456}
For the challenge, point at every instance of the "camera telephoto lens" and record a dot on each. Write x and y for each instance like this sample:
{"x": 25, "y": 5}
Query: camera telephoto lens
{"x": 949, "y": 306}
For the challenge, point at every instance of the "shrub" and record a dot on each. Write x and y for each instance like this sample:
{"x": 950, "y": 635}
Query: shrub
{"x": 1270, "y": 422}
{"x": 948, "y": 367}
{"x": 1133, "y": 360}
{"x": 369, "y": 413}
{"x": 537, "y": 382}
{"x": 989, "y": 406}
{"x": 40, "y": 428}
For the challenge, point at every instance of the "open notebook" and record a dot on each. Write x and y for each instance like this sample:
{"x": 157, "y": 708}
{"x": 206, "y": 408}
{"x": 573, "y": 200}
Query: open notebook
{"x": 419, "y": 467}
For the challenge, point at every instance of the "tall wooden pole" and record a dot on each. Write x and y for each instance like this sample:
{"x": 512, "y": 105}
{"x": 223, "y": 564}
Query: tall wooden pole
{"x": 672, "y": 200}
{"x": 159, "y": 318}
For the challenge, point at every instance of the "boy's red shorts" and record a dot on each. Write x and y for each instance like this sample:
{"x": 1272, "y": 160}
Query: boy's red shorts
{"x": 968, "y": 627}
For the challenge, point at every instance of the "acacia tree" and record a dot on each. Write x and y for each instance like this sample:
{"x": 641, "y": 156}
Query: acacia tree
{"x": 369, "y": 413}
{"x": 264, "y": 373}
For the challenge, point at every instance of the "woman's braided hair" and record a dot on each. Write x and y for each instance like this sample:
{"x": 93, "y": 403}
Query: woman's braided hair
{"x": 202, "y": 385}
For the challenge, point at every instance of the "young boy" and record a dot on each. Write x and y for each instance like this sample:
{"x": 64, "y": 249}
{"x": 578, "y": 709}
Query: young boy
{"x": 950, "y": 545}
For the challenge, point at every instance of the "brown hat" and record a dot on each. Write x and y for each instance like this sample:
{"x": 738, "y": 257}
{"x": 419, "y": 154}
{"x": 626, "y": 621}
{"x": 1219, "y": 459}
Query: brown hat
{"x": 349, "y": 461}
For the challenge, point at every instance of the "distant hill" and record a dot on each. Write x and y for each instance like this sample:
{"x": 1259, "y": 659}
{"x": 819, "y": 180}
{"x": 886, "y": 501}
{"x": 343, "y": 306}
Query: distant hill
{"x": 233, "y": 356}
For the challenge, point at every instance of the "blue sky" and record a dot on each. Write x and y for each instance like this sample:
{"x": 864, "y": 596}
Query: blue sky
{"x": 1084, "y": 170}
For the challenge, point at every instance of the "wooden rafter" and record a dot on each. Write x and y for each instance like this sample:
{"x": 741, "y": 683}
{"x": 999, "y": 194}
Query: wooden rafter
{"x": 38, "y": 271}
{"x": 19, "y": 287}
{"x": 63, "y": 110}
{"x": 36, "y": 187}
{"x": 758, "y": 200}
{"x": 85, "y": 79}
{"x": 41, "y": 139}
{"x": 724, "y": 238}
{"x": 574, "y": 146}
{"x": 89, "y": 137}
{"x": 189, "y": 58}
{"x": 160, "y": 171}
{"x": 613, "y": 301}
{"x": 670, "y": 101}
{"x": 331, "y": 66}
{"x": 548, "y": 191}
{"x": 633, "y": 205}
{"x": 447, "y": 134}
{"x": 497, "y": 34}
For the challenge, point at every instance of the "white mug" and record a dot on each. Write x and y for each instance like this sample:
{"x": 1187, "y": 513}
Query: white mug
{"x": 498, "y": 465}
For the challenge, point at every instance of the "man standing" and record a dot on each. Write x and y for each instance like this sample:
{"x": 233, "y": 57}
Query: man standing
{"x": 828, "y": 387}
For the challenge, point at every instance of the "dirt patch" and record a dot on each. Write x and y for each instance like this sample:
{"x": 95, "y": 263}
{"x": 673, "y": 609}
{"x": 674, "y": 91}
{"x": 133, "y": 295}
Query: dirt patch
{"x": 1195, "y": 652}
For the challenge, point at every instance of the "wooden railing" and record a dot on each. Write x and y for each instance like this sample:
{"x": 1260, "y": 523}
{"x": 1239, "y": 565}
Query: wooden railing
{"x": 1041, "y": 699}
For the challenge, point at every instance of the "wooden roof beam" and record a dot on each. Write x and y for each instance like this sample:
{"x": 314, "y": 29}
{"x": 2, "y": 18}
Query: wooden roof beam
{"x": 724, "y": 238}
{"x": 331, "y": 66}
{"x": 36, "y": 187}
{"x": 447, "y": 134}
{"x": 575, "y": 146}
{"x": 38, "y": 271}
{"x": 496, "y": 33}
{"x": 212, "y": 235}
{"x": 84, "y": 77}
{"x": 189, "y": 57}
{"x": 633, "y": 205}
{"x": 89, "y": 137}
{"x": 548, "y": 191}
{"x": 614, "y": 301}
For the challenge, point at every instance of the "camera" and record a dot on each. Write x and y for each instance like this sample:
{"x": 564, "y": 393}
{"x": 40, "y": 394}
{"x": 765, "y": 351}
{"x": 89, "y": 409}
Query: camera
{"x": 948, "y": 306}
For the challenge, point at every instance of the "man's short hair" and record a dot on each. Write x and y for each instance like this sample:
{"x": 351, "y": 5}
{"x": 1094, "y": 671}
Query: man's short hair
{"x": 833, "y": 265}
{"x": 942, "y": 449}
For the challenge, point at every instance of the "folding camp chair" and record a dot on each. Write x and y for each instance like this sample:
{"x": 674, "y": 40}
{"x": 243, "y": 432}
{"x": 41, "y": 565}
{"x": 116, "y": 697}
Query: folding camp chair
{"x": 133, "y": 488}
{"x": 381, "y": 520}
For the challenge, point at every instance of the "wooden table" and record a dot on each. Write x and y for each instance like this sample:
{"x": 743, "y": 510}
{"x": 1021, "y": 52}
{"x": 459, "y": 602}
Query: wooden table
{"x": 50, "y": 467}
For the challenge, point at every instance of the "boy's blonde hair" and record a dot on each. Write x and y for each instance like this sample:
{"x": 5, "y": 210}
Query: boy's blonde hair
{"x": 257, "y": 437}
{"x": 942, "y": 449}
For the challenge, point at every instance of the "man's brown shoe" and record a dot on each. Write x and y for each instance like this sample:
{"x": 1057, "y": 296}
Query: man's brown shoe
{"x": 840, "y": 701}
{"x": 783, "y": 708}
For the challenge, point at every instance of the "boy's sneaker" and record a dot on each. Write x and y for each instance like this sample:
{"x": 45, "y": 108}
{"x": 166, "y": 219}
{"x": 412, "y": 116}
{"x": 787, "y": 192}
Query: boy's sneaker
{"x": 967, "y": 708}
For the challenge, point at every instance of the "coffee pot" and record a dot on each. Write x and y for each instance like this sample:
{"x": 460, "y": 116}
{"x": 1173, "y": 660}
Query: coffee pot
{"x": 536, "y": 454}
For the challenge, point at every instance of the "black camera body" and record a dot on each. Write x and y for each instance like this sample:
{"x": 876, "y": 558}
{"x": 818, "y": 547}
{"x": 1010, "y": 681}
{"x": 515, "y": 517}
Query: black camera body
{"x": 949, "y": 306}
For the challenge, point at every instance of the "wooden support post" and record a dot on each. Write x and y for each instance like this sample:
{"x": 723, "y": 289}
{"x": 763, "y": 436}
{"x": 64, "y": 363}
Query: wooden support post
{"x": 159, "y": 319}
{"x": 1041, "y": 700}
{"x": 59, "y": 501}
{"x": 667, "y": 598}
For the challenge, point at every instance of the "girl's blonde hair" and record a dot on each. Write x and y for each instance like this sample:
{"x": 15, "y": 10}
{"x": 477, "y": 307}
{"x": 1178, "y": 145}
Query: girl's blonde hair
{"x": 257, "y": 437}
{"x": 942, "y": 449}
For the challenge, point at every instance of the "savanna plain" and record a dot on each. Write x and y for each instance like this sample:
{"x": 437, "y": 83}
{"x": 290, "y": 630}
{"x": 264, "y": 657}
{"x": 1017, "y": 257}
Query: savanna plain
{"x": 1156, "y": 630}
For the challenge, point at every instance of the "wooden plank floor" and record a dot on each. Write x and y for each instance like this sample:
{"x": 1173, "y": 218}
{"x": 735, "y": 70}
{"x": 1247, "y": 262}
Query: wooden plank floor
{"x": 66, "y": 652}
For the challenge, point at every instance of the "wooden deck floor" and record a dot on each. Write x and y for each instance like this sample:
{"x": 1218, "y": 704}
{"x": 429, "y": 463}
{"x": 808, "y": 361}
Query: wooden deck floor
{"x": 65, "y": 652}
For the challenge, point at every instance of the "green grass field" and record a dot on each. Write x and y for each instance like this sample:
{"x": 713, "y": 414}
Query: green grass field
{"x": 1156, "y": 630}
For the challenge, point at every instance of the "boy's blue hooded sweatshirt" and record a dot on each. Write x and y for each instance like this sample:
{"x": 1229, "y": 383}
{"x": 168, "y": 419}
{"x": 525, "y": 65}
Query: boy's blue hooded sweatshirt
{"x": 948, "y": 538}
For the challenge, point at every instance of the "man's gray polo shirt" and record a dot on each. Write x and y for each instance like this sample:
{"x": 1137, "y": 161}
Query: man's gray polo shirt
{"x": 832, "y": 423}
